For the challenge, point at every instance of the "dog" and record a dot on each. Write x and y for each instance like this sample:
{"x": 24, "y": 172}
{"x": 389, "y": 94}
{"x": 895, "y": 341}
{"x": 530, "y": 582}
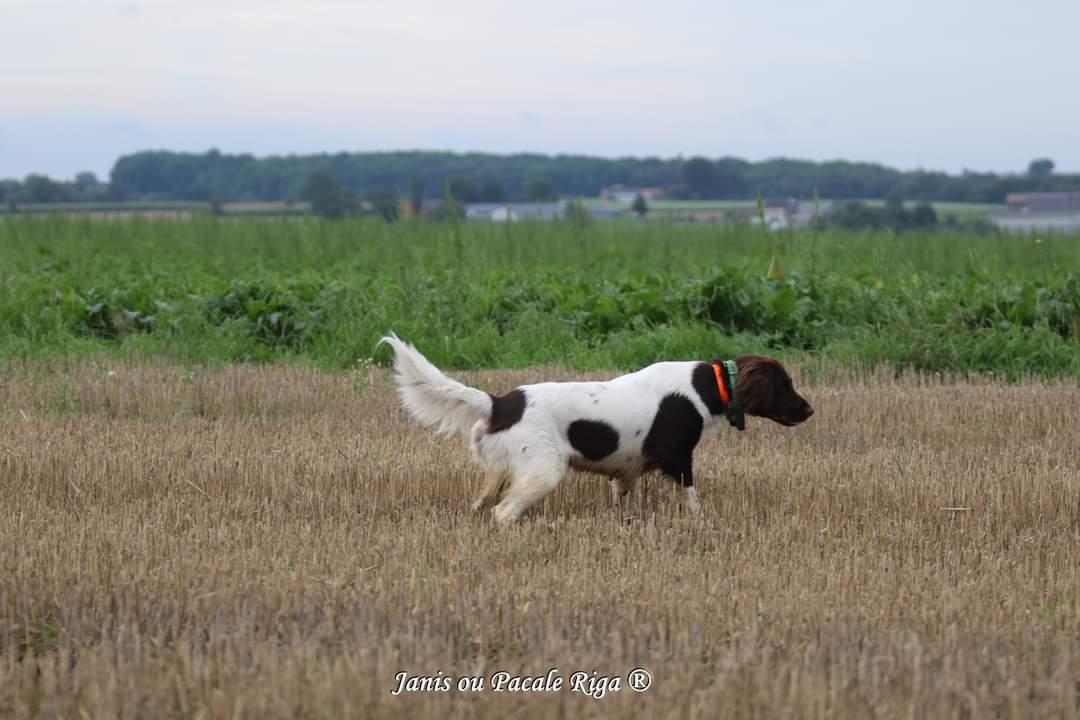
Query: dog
{"x": 648, "y": 420}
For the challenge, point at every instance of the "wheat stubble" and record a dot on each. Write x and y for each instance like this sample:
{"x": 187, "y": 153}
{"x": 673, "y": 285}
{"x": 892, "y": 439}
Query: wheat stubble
{"x": 268, "y": 542}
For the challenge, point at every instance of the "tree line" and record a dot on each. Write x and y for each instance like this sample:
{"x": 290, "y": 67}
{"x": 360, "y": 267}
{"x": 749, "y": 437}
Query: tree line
{"x": 476, "y": 177}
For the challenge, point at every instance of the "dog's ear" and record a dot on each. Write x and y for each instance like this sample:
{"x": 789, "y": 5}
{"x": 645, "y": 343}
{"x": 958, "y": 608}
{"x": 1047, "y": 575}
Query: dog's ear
{"x": 757, "y": 385}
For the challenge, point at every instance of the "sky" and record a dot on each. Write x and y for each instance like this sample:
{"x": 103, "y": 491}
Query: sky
{"x": 944, "y": 85}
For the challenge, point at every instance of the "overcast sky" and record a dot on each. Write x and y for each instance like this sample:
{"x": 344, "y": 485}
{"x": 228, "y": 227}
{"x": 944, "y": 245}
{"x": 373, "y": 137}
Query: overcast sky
{"x": 949, "y": 84}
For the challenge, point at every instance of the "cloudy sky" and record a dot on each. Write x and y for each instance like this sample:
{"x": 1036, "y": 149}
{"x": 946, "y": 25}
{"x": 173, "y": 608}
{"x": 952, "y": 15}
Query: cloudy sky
{"x": 949, "y": 84}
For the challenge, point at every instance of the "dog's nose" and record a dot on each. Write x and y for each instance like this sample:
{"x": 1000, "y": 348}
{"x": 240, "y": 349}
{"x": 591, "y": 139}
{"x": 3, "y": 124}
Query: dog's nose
{"x": 809, "y": 411}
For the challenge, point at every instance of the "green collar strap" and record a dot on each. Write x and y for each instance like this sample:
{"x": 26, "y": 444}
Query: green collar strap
{"x": 734, "y": 410}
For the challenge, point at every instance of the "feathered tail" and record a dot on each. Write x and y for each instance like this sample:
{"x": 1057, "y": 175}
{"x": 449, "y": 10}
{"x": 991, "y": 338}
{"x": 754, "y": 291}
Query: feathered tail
{"x": 430, "y": 397}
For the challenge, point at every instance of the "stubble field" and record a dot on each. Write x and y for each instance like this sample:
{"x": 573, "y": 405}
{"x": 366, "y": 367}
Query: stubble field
{"x": 278, "y": 542}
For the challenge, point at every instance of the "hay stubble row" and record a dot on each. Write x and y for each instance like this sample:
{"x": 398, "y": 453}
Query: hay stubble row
{"x": 269, "y": 542}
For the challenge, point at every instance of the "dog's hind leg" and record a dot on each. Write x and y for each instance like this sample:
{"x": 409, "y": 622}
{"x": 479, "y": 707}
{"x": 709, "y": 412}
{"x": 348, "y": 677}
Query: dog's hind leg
{"x": 490, "y": 454}
{"x": 494, "y": 484}
{"x": 529, "y": 483}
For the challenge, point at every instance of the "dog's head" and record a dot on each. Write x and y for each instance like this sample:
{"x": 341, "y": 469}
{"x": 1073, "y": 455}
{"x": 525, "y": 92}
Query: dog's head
{"x": 767, "y": 391}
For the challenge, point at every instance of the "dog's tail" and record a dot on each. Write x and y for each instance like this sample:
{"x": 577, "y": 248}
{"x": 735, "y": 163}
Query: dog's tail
{"x": 430, "y": 397}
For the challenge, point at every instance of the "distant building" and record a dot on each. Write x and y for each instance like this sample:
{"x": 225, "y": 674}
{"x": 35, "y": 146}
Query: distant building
{"x": 1057, "y": 212}
{"x": 428, "y": 206}
{"x": 1019, "y": 221}
{"x": 806, "y": 210}
{"x": 718, "y": 215}
{"x": 789, "y": 205}
{"x": 1044, "y": 201}
{"x": 602, "y": 211}
{"x": 626, "y": 194}
{"x": 783, "y": 213}
{"x": 776, "y": 218}
{"x": 511, "y": 211}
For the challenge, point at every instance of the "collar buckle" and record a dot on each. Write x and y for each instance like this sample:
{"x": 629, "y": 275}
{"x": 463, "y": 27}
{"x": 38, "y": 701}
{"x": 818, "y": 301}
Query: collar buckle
{"x": 733, "y": 409}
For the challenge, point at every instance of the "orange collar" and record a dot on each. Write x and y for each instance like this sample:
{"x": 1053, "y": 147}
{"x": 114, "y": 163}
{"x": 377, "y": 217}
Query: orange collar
{"x": 719, "y": 371}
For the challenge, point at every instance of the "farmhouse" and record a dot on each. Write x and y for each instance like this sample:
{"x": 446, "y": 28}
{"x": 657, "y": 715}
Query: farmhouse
{"x": 776, "y": 218}
{"x": 1044, "y": 202}
{"x": 603, "y": 211}
{"x": 806, "y": 210}
{"x": 627, "y": 194}
{"x": 1039, "y": 212}
{"x": 783, "y": 213}
{"x": 509, "y": 212}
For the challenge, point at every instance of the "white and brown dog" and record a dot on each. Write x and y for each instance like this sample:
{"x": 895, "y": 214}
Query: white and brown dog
{"x": 622, "y": 428}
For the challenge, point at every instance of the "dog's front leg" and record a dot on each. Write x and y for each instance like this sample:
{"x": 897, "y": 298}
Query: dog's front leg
{"x": 621, "y": 488}
{"x": 692, "y": 499}
{"x": 683, "y": 473}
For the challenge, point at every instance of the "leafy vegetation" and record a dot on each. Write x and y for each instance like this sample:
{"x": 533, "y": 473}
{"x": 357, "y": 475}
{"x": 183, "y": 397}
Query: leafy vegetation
{"x": 589, "y": 295}
{"x": 859, "y": 216}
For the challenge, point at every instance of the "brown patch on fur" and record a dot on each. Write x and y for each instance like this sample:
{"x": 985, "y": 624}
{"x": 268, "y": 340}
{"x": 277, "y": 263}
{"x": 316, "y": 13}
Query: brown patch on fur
{"x": 506, "y": 410}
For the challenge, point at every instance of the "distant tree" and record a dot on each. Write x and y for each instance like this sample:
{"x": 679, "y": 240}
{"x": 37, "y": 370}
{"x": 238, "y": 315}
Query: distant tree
{"x": 449, "y": 210}
{"x": 41, "y": 189}
{"x": 463, "y": 190}
{"x": 217, "y": 204}
{"x": 87, "y": 188}
{"x": 924, "y": 215}
{"x": 699, "y": 175}
{"x": 491, "y": 191}
{"x": 894, "y": 215}
{"x": 640, "y": 206}
{"x": 327, "y": 196}
{"x": 857, "y": 216}
{"x": 539, "y": 189}
{"x": 729, "y": 178}
{"x": 577, "y": 214}
{"x": 189, "y": 176}
{"x": 416, "y": 196}
{"x": 85, "y": 179}
{"x": 1041, "y": 168}
{"x": 10, "y": 190}
{"x": 385, "y": 204}
{"x": 679, "y": 192}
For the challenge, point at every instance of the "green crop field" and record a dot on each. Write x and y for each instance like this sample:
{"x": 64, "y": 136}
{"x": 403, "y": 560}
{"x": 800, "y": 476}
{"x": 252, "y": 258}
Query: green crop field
{"x": 593, "y": 296}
